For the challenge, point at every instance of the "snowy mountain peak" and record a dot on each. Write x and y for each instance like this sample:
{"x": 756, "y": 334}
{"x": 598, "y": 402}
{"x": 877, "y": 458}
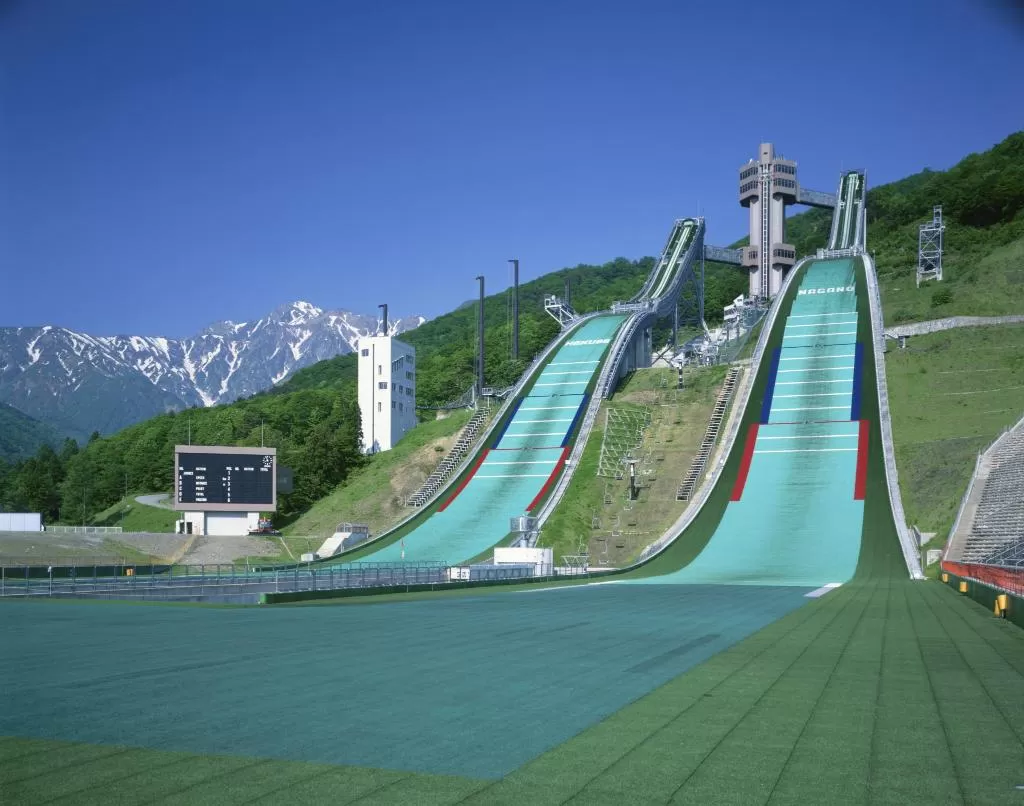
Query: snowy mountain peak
{"x": 296, "y": 313}
{"x": 47, "y": 370}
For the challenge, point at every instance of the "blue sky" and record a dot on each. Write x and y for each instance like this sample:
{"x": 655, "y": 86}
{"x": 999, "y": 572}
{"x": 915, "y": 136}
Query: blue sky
{"x": 167, "y": 164}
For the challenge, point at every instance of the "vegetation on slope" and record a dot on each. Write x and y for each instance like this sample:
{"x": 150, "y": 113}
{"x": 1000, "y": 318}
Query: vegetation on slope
{"x": 376, "y": 492}
{"x": 951, "y": 394}
{"x": 21, "y": 436}
{"x": 592, "y": 516}
{"x": 982, "y": 200}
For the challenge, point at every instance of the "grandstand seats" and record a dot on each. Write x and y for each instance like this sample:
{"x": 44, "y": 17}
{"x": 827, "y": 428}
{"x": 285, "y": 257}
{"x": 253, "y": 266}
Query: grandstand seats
{"x": 995, "y": 509}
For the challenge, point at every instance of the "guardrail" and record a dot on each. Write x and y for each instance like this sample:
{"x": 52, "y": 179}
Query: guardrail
{"x": 224, "y": 583}
{"x": 910, "y": 552}
{"x": 84, "y": 530}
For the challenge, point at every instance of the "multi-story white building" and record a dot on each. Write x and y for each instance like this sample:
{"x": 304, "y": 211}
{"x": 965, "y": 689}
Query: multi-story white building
{"x": 387, "y": 391}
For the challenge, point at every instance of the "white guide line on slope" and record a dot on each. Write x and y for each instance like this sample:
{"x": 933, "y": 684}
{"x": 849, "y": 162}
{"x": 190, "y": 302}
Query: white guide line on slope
{"x": 817, "y": 594}
{"x": 804, "y": 450}
{"x": 822, "y": 324}
{"x": 813, "y": 335}
{"x": 809, "y": 436}
{"x": 808, "y": 315}
{"x": 804, "y": 383}
{"x": 513, "y": 476}
{"x": 813, "y": 369}
{"x": 816, "y": 357}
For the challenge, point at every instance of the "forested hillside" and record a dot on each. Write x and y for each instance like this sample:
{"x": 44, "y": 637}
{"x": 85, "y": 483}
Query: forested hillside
{"x": 21, "y": 436}
{"x": 313, "y": 419}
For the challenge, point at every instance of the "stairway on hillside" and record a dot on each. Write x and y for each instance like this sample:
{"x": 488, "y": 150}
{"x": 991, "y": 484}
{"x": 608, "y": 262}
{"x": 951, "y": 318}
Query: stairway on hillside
{"x": 707, "y": 445}
{"x": 455, "y": 456}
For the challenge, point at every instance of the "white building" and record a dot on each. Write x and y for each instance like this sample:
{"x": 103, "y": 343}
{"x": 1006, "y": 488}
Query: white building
{"x": 387, "y": 391}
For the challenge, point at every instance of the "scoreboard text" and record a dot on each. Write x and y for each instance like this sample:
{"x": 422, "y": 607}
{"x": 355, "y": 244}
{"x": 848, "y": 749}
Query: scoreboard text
{"x": 226, "y": 478}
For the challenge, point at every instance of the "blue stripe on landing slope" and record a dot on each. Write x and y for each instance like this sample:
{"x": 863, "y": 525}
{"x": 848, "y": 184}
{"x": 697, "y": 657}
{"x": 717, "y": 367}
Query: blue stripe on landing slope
{"x": 508, "y": 422}
{"x": 773, "y": 373}
{"x": 576, "y": 418}
{"x": 858, "y": 375}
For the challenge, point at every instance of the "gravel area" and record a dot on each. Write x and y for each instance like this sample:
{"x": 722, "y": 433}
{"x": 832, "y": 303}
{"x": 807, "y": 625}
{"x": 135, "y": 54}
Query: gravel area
{"x": 32, "y": 547}
{"x": 223, "y": 549}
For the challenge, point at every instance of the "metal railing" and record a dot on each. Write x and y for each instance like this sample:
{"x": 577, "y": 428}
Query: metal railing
{"x": 910, "y": 553}
{"x": 230, "y": 583}
{"x": 84, "y": 530}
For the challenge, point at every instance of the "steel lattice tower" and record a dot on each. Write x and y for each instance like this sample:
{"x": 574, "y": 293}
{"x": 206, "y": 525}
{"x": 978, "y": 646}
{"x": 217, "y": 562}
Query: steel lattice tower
{"x": 929, "y": 247}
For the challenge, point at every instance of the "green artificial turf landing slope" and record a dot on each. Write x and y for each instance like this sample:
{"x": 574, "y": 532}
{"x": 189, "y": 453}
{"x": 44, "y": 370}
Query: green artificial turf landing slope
{"x": 471, "y": 686}
{"x": 888, "y": 692}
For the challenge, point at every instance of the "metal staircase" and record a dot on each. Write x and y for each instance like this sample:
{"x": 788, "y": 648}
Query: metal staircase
{"x": 454, "y": 458}
{"x": 707, "y": 445}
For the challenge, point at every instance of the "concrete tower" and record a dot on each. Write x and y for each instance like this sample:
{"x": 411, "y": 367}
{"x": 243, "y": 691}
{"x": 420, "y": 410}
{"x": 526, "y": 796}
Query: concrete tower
{"x": 387, "y": 391}
{"x": 767, "y": 185}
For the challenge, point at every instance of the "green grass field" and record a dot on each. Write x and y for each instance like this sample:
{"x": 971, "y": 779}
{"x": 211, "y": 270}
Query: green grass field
{"x": 136, "y": 517}
{"x": 951, "y": 394}
{"x": 976, "y": 282}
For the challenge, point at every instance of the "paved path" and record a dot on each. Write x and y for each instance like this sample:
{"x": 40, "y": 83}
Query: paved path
{"x": 935, "y": 325}
{"x": 154, "y": 500}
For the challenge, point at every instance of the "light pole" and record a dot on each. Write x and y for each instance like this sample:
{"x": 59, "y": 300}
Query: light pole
{"x": 515, "y": 307}
{"x": 480, "y": 338}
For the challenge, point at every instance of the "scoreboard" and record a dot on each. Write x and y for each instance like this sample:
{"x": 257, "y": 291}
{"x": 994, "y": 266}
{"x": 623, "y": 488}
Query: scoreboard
{"x": 226, "y": 479}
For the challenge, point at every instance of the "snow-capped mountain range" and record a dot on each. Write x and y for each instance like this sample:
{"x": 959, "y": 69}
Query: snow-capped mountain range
{"x": 79, "y": 383}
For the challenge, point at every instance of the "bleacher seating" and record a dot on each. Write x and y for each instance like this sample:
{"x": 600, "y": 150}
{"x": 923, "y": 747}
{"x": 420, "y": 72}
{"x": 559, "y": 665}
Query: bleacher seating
{"x": 994, "y": 512}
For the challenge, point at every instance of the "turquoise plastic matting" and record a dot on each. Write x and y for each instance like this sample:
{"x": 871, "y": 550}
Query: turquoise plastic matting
{"x": 797, "y": 522}
{"x": 517, "y": 468}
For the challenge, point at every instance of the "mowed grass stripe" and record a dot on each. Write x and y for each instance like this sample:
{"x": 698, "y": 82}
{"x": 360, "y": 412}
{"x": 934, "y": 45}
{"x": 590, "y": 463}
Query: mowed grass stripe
{"x": 832, "y": 756}
{"x": 747, "y": 762}
{"x": 93, "y": 774}
{"x": 88, "y": 771}
{"x": 911, "y": 762}
{"x": 979, "y": 718}
{"x": 562, "y": 771}
{"x": 638, "y": 754}
{"x": 157, "y": 780}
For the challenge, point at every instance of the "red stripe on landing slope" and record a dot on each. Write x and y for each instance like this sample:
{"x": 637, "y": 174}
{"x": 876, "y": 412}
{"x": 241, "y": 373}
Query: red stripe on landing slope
{"x": 862, "y": 461}
{"x": 465, "y": 481}
{"x": 748, "y": 455}
{"x": 551, "y": 479}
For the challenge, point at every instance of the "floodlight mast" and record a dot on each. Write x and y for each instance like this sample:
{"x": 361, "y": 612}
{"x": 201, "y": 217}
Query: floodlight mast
{"x": 480, "y": 340}
{"x": 515, "y": 307}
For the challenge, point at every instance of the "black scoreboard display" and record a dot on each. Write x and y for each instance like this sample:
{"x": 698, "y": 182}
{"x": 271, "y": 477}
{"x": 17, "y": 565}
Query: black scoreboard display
{"x": 211, "y": 477}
